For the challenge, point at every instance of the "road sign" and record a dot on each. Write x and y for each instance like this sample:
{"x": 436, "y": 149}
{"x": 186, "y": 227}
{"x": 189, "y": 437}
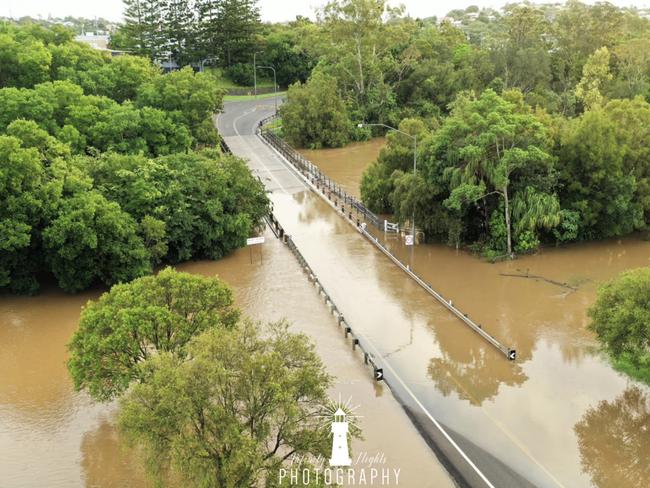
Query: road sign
{"x": 379, "y": 374}
{"x": 512, "y": 354}
{"x": 255, "y": 240}
{"x": 408, "y": 240}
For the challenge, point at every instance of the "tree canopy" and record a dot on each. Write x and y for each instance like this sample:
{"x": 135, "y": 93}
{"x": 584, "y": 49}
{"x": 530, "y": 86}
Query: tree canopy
{"x": 144, "y": 318}
{"x": 621, "y": 320}
{"x": 249, "y": 401}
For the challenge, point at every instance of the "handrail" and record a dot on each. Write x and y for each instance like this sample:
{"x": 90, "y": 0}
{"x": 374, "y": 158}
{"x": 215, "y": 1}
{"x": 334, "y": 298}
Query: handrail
{"x": 322, "y": 184}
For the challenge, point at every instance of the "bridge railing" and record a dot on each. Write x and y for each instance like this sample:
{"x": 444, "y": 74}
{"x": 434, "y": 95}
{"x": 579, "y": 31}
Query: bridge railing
{"x": 338, "y": 198}
{"x": 316, "y": 176}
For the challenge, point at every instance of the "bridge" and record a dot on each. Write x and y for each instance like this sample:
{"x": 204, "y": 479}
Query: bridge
{"x": 354, "y": 276}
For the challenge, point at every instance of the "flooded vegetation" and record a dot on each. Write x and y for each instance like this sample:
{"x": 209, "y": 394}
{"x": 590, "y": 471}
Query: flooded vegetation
{"x": 75, "y": 441}
{"x": 547, "y": 403}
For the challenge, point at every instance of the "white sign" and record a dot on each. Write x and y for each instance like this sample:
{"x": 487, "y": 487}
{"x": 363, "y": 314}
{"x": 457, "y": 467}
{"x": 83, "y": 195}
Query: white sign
{"x": 255, "y": 240}
{"x": 408, "y": 240}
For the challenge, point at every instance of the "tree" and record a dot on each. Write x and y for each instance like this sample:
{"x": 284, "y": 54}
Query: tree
{"x": 141, "y": 30}
{"x": 491, "y": 145}
{"x": 606, "y": 176}
{"x": 144, "y": 318}
{"x": 178, "y": 25}
{"x": 192, "y": 98}
{"x": 315, "y": 115}
{"x": 22, "y": 204}
{"x": 620, "y": 317}
{"x": 229, "y": 29}
{"x": 25, "y": 62}
{"x": 595, "y": 74}
{"x": 250, "y": 400}
{"x": 209, "y": 202}
{"x": 93, "y": 239}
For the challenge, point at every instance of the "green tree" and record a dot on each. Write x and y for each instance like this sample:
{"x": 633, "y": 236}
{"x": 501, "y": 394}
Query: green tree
{"x": 92, "y": 239}
{"x": 22, "y": 202}
{"x": 595, "y": 75}
{"x": 191, "y": 98}
{"x": 209, "y": 202}
{"x": 25, "y": 62}
{"x": 315, "y": 115}
{"x": 249, "y": 401}
{"x": 497, "y": 148}
{"x": 605, "y": 176}
{"x": 137, "y": 320}
{"x": 620, "y": 317}
{"x": 229, "y": 29}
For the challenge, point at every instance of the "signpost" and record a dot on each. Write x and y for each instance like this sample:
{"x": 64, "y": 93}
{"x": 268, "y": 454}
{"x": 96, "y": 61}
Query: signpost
{"x": 252, "y": 241}
{"x": 408, "y": 240}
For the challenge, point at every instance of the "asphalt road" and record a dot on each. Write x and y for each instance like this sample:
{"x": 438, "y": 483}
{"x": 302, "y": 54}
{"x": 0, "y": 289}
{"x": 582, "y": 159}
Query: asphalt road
{"x": 469, "y": 464}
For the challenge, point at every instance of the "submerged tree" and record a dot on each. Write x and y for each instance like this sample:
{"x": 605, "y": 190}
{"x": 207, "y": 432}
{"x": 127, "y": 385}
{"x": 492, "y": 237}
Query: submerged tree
{"x": 244, "y": 402}
{"x": 493, "y": 147}
{"x": 621, "y": 320}
{"x": 140, "y": 319}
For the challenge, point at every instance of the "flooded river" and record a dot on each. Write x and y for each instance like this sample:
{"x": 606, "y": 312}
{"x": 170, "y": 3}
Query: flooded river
{"x": 51, "y": 436}
{"x": 572, "y": 419}
{"x": 345, "y": 165}
{"x": 559, "y": 416}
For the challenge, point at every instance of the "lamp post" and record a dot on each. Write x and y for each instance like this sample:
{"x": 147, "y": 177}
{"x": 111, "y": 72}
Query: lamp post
{"x": 415, "y": 160}
{"x": 275, "y": 85}
{"x": 206, "y": 60}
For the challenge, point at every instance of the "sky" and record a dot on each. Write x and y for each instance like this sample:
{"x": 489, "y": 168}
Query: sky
{"x": 272, "y": 10}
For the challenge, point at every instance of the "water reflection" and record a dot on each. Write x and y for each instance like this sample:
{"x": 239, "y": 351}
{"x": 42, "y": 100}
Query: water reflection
{"x": 614, "y": 441}
{"x": 107, "y": 461}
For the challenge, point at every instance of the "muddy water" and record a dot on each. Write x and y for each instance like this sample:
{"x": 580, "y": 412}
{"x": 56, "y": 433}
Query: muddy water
{"x": 560, "y": 415}
{"x": 571, "y": 417}
{"x": 346, "y": 165}
{"x": 51, "y": 436}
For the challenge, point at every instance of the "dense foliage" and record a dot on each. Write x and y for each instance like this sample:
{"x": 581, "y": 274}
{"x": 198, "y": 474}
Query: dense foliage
{"x": 98, "y": 179}
{"x": 621, "y": 320}
{"x": 214, "y": 400}
{"x": 249, "y": 402}
{"x": 135, "y": 321}
{"x": 532, "y": 121}
{"x": 222, "y": 33}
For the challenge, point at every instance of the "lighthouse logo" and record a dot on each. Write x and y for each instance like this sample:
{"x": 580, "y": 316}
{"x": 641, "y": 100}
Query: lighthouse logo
{"x": 342, "y": 419}
{"x": 340, "y": 450}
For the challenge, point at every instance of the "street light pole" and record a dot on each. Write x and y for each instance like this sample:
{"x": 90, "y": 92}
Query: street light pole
{"x": 206, "y": 60}
{"x": 275, "y": 85}
{"x": 415, "y": 160}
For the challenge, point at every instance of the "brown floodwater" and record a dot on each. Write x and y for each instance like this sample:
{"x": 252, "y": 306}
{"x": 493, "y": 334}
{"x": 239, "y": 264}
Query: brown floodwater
{"x": 346, "y": 165}
{"x": 51, "y": 436}
{"x": 559, "y": 415}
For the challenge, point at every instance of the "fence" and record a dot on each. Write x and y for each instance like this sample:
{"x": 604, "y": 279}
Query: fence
{"x": 320, "y": 180}
{"x": 357, "y": 340}
{"x": 332, "y": 192}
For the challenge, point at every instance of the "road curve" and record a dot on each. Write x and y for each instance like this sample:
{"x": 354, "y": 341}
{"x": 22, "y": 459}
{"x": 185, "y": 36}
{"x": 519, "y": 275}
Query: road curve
{"x": 495, "y": 461}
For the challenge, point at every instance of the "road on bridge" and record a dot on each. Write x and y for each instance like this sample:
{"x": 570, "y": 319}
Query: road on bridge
{"x": 480, "y": 447}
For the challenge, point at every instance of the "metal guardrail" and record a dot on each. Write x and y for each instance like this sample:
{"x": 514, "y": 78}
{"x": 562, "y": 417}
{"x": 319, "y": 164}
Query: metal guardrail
{"x": 332, "y": 192}
{"x": 357, "y": 340}
{"x": 321, "y": 180}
